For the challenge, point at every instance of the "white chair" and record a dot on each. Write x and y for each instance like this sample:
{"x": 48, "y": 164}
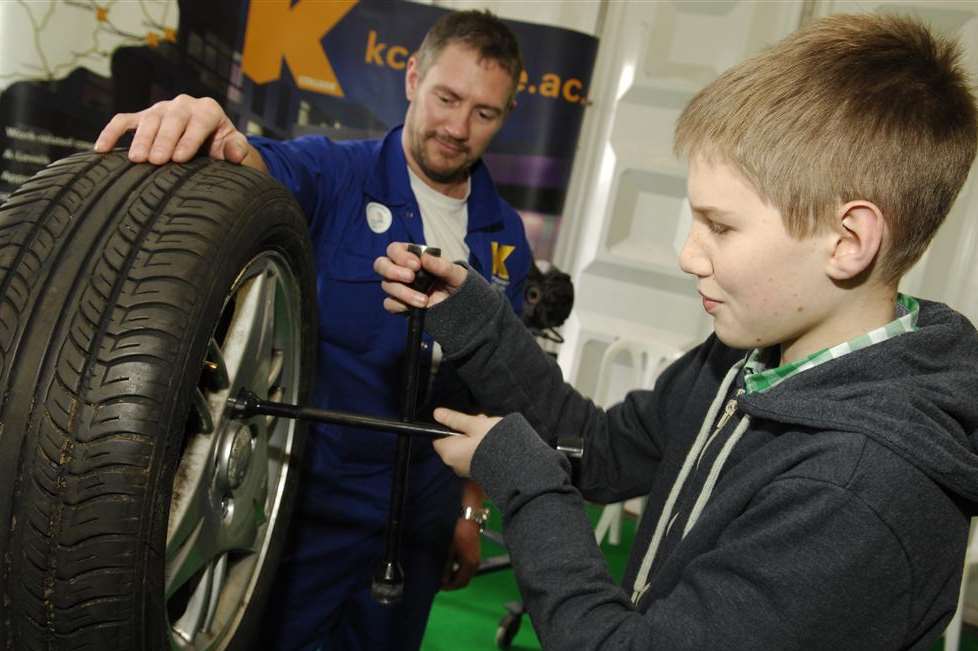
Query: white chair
{"x": 645, "y": 361}
{"x": 952, "y": 636}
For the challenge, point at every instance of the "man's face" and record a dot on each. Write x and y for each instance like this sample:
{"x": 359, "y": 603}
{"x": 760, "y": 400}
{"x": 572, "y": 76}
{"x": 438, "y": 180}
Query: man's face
{"x": 455, "y": 110}
{"x": 761, "y": 285}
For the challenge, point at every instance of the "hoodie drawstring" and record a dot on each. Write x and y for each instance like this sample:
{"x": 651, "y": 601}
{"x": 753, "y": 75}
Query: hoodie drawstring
{"x": 642, "y": 584}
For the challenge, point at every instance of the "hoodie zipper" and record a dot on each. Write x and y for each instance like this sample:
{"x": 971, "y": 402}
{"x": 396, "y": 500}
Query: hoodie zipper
{"x": 729, "y": 410}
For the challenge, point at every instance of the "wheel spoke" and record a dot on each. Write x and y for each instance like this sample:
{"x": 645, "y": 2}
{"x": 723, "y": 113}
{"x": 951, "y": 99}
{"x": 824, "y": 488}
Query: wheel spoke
{"x": 275, "y": 391}
{"x": 203, "y": 602}
{"x": 275, "y": 369}
{"x": 275, "y": 394}
{"x": 217, "y": 579}
{"x": 248, "y": 346}
{"x": 191, "y": 492}
{"x": 194, "y": 525}
{"x": 199, "y": 550}
{"x": 187, "y": 626}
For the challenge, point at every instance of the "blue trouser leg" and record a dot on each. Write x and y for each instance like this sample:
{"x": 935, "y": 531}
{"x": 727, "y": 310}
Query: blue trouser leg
{"x": 321, "y": 597}
{"x": 368, "y": 625}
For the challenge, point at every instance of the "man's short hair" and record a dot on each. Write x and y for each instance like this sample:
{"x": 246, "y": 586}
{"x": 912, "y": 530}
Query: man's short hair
{"x": 866, "y": 106}
{"x": 481, "y": 31}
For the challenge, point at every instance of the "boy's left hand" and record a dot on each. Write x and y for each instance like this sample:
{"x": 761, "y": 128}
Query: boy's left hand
{"x": 457, "y": 451}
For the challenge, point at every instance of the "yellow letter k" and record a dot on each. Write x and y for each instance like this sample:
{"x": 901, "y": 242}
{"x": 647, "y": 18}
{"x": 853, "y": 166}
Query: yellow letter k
{"x": 499, "y": 254}
{"x": 278, "y": 30}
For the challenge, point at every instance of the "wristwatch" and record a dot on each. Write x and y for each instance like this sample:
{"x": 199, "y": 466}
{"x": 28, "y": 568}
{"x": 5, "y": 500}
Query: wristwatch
{"x": 479, "y": 515}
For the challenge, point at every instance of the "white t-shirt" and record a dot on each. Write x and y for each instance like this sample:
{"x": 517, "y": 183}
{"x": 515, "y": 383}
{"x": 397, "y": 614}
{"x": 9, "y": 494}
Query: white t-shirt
{"x": 445, "y": 219}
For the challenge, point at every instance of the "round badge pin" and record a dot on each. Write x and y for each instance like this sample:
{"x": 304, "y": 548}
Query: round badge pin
{"x": 379, "y": 217}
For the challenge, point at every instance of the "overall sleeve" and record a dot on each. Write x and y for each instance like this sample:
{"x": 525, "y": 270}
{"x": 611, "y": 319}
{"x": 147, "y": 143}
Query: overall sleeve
{"x": 772, "y": 581}
{"x": 313, "y": 168}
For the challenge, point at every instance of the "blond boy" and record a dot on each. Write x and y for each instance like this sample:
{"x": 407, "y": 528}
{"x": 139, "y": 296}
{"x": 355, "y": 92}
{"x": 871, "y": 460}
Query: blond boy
{"x": 811, "y": 468}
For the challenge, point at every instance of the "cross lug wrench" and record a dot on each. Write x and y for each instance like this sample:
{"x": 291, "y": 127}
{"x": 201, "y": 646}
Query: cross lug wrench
{"x": 388, "y": 582}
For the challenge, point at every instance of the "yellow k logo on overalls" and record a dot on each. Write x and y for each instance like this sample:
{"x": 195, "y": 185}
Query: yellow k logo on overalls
{"x": 499, "y": 254}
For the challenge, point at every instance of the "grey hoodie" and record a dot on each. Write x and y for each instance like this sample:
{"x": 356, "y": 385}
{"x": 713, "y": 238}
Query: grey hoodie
{"x": 829, "y": 512}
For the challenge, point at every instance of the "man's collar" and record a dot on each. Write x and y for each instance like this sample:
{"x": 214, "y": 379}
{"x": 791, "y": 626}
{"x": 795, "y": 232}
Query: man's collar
{"x": 388, "y": 182}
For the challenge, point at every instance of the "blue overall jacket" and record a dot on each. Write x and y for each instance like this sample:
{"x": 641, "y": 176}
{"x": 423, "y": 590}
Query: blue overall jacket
{"x": 360, "y": 344}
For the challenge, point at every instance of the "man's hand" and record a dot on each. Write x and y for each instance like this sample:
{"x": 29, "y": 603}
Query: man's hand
{"x": 457, "y": 451}
{"x": 176, "y": 129}
{"x": 465, "y": 553}
{"x": 397, "y": 269}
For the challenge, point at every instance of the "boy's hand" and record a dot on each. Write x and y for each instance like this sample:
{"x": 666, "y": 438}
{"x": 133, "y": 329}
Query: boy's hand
{"x": 176, "y": 129}
{"x": 457, "y": 451}
{"x": 397, "y": 269}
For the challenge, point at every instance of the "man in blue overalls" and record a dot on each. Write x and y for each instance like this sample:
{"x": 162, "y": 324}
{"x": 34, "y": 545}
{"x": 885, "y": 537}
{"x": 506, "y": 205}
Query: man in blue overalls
{"x": 423, "y": 183}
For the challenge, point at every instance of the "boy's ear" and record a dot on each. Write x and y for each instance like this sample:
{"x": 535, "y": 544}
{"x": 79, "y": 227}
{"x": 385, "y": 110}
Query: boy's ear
{"x": 858, "y": 239}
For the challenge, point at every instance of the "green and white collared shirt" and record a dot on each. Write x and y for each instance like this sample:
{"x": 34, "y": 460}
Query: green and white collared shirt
{"x": 758, "y": 377}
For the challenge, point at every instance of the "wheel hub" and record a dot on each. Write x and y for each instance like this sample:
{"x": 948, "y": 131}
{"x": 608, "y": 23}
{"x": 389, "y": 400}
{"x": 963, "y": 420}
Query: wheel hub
{"x": 238, "y": 457}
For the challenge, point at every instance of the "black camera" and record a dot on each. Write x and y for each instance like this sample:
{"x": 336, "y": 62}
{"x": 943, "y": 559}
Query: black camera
{"x": 548, "y": 298}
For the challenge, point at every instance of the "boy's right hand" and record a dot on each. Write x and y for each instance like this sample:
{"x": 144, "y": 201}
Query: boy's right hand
{"x": 457, "y": 451}
{"x": 397, "y": 269}
{"x": 174, "y": 130}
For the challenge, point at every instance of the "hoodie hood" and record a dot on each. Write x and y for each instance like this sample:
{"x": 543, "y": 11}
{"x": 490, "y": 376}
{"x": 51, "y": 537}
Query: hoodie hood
{"x": 916, "y": 394}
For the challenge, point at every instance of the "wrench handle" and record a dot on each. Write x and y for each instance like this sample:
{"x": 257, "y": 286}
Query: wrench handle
{"x": 388, "y": 583}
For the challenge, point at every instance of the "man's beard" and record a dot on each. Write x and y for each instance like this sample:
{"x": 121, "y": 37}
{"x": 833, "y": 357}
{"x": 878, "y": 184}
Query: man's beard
{"x": 460, "y": 173}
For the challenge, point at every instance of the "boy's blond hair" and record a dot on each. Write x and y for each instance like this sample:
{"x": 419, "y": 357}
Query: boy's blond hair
{"x": 869, "y": 107}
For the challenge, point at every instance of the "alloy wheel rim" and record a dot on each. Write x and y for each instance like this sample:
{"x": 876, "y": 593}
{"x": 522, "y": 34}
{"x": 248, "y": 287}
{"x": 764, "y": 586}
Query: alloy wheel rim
{"x": 230, "y": 479}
